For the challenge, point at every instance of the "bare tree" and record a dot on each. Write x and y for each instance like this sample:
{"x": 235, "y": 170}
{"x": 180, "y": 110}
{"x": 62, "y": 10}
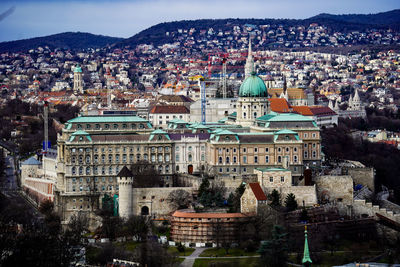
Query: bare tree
{"x": 179, "y": 199}
{"x": 138, "y": 226}
{"x": 145, "y": 175}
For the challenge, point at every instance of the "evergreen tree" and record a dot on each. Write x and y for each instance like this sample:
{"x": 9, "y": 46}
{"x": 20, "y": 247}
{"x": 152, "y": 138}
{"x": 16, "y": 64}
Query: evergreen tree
{"x": 275, "y": 198}
{"x": 304, "y": 215}
{"x": 204, "y": 187}
{"x": 290, "y": 202}
{"x": 274, "y": 251}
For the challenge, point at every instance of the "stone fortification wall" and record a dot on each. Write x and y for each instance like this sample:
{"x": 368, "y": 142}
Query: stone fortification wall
{"x": 155, "y": 199}
{"x": 364, "y": 176}
{"x": 307, "y": 194}
{"x": 332, "y": 188}
{"x": 363, "y": 208}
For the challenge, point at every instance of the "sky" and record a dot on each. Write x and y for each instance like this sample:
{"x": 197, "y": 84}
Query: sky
{"x": 21, "y": 19}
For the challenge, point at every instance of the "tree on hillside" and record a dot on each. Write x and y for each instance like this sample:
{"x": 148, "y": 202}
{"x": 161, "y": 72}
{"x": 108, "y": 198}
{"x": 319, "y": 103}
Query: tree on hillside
{"x": 234, "y": 198}
{"x": 138, "y": 226}
{"x": 273, "y": 252}
{"x": 179, "y": 199}
{"x": 291, "y": 202}
{"x": 275, "y": 199}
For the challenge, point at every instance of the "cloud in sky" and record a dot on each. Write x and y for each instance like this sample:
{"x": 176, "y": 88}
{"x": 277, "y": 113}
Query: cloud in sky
{"x": 124, "y": 18}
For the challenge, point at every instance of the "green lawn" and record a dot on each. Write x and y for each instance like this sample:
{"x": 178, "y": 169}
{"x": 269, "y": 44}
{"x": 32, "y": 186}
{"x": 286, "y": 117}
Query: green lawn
{"x": 188, "y": 251}
{"x": 128, "y": 245}
{"x": 220, "y": 252}
{"x": 244, "y": 262}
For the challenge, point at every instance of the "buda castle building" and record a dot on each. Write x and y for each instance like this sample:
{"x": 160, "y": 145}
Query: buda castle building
{"x": 92, "y": 150}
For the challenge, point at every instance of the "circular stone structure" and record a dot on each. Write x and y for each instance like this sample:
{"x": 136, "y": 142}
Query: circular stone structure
{"x": 188, "y": 226}
{"x": 253, "y": 86}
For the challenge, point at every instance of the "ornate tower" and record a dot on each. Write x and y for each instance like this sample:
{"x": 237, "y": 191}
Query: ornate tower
{"x": 306, "y": 255}
{"x": 253, "y": 100}
{"x": 249, "y": 67}
{"x": 125, "y": 183}
{"x": 78, "y": 81}
{"x": 356, "y": 103}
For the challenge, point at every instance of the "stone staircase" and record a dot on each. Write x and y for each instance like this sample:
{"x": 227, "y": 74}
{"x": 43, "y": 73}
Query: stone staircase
{"x": 360, "y": 206}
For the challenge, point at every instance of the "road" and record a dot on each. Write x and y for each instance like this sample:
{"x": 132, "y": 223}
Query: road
{"x": 9, "y": 187}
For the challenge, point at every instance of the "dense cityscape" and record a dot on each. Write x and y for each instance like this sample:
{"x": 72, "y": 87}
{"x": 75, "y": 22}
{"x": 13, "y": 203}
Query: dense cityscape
{"x": 235, "y": 142}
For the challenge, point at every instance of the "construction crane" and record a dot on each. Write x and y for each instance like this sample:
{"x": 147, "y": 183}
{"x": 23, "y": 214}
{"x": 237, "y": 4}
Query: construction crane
{"x": 203, "y": 100}
{"x": 224, "y": 77}
{"x": 46, "y": 135}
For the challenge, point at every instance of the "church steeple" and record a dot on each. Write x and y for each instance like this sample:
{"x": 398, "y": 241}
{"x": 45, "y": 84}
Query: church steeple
{"x": 249, "y": 67}
{"x": 306, "y": 255}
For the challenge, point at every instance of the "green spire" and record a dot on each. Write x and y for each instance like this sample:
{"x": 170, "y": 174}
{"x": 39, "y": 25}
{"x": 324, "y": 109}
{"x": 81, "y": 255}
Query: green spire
{"x": 306, "y": 256}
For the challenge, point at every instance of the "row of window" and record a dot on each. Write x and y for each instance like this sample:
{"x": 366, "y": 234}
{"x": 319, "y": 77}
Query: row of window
{"x": 107, "y": 126}
{"x": 110, "y": 159}
{"x": 256, "y": 159}
{"x": 117, "y": 150}
{"x": 102, "y": 170}
{"x": 190, "y": 148}
{"x": 190, "y": 157}
{"x": 258, "y": 150}
{"x": 96, "y": 188}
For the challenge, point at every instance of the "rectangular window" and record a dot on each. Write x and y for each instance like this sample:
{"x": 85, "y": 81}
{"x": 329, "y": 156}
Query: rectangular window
{"x": 282, "y": 179}
{"x": 266, "y": 159}
{"x": 271, "y": 179}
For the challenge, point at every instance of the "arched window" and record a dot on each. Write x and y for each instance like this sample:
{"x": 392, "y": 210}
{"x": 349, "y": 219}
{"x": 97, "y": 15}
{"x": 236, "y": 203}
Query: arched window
{"x": 110, "y": 170}
{"x": 190, "y": 158}
{"x": 279, "y": 159}
{"x": 87, "y": 170}
{"x": 295, "y": 158}
{"x": 80, "y": 159}
{"x": 87, "y": 159}
{"x": 220, "y": 160}
{"x": 227, "y": 160}
{"x": 160, "y": 169}
{"x": 73, "y": 170}
{"x": 80, "y": 170}
{"x": 73, "y": 160}
{"x": 244, "y": 115}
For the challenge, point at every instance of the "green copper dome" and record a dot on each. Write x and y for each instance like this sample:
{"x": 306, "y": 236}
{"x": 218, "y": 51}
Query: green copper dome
{"x": 253, "y": 86}
{"x": 78, "y": 68}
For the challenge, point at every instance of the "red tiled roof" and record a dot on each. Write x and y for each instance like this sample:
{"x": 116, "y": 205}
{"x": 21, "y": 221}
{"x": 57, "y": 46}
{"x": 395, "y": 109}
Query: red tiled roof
{"x": 320, "y": 110}
{"x": 170, "y": 110}
{"x": 183, "y": 214}
{"x": 303, "y": 110}
{"x": 258, "y": 192}
{"x": 279, "y": 105}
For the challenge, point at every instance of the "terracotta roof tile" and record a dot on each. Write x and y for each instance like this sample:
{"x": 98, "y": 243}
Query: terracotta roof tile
{"x": 170, "y": 110}
{"x": 183, "y": 214}
{"x": 279, "y": 105}
{"x": 258, "y": 192}
{"x": 320, "y": 110}
{"x": 303, "y": 110}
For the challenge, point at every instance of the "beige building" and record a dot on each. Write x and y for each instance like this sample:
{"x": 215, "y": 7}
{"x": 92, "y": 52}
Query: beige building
{"x": 237, "y": 154}
{"x": 252, "y": 198}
